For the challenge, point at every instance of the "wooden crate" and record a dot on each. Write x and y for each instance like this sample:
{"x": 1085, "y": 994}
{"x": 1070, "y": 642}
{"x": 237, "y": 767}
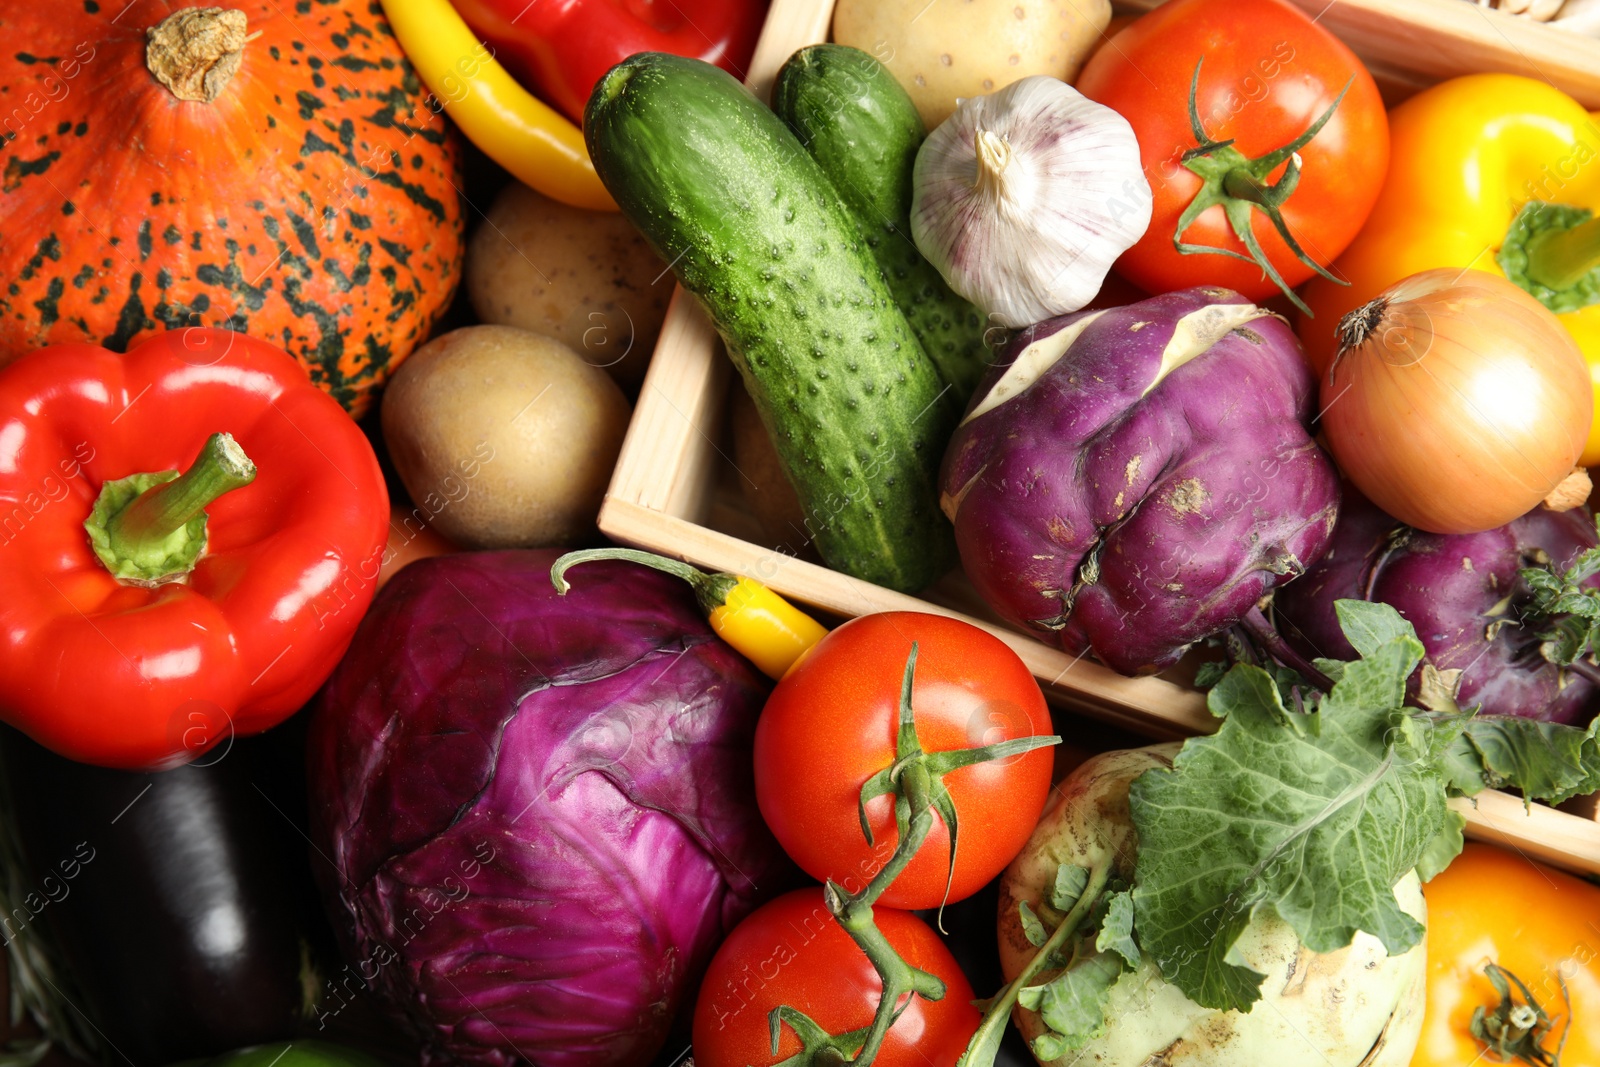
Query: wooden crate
{"x": 669, "y": 492}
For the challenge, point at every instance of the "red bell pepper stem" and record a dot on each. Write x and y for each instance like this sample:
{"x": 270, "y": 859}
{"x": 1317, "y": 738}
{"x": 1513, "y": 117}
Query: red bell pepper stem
{"x": 150, "y": 528}
{"x": 1559, "y": 259}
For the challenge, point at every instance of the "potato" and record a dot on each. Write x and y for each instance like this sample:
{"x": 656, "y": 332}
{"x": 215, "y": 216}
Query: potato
{"x": 504, "y": 437}
{"x": 586, "y": 278}
{"x": 944, "y": 49}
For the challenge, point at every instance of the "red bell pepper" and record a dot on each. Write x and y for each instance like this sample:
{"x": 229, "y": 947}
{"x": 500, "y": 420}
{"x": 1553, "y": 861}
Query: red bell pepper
{"x": 560, "y": 48}
{"x": 237, "y": 585}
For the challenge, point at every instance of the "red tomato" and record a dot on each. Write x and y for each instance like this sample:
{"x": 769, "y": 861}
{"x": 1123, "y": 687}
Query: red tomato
{"x": 1269, "y": 73}
{"x": 792, "y": 952}
{"x": 831, "y": 724}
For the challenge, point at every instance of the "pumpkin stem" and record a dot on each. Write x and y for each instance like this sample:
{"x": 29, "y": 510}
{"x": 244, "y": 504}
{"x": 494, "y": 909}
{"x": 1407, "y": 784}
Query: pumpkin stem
{"x": 195, "y": 52}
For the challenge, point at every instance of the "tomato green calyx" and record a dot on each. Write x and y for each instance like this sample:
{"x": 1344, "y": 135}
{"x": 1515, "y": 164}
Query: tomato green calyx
{"x": 1517, "y": 1029}
{"x": 1240, "y": 186}
{"x": 818, "y": 1048}
{"x": 916, "y": 777}
{"x": 150, "y": 529}
{"x": 915, "y": 780}
{"x": 1553, "y": 251}
{"x": 710, "y": 590}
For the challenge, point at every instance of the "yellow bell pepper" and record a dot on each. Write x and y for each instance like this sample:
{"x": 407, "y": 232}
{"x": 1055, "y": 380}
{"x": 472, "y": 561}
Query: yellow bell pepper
{"x": 514, "y": 128}
{"x": 1466, "y": 157}
{"x": 765, "y": 628}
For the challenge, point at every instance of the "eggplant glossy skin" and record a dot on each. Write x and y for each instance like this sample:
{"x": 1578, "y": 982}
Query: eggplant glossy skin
{"x": 184, "y": 923}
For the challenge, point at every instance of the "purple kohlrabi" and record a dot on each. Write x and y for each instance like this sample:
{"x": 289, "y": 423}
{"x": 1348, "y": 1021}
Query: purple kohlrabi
{"x": 1466, "y": 597}
{"x": 1131, "y": 481}
{"x": 538, "y": 811}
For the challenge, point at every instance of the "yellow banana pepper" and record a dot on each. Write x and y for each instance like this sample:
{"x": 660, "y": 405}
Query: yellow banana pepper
{"x": 771, "y": 632}
{"x": 765, "y": 628}
{"x": 517, "y": 130}
{"x": 1495, "y": 172}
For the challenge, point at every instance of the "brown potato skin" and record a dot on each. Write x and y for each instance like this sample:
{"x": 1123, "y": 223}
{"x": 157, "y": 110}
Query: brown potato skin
{"x": 504, "y": 438}
{"x": 953, "y": 49}
{"x": 586, "y": 278}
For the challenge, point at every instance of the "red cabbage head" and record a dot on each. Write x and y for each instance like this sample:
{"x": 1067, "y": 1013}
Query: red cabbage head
{"x": 541, "y": 809}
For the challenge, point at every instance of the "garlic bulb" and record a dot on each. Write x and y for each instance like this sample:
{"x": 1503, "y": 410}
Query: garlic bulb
{"x": 1024, "y": 198}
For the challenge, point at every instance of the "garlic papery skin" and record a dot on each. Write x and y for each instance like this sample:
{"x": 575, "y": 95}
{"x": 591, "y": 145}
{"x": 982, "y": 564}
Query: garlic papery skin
{"x": 1025, "y": 198}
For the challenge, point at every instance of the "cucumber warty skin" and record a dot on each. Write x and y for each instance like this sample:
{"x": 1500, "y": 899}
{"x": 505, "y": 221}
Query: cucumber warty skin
{"x": 863, "y": 129}
{"x": 857, "y": 411}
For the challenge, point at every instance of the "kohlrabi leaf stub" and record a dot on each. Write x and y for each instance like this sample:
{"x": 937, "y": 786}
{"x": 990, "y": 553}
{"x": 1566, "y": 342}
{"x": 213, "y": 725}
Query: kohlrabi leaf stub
{"x": 1073, "y": 1004}
{"x": 1116, "y": 929}
{"x": 1315, "y": 825}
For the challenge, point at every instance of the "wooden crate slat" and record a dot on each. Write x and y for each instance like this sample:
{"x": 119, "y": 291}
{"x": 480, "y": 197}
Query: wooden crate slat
{"x": 665, "y": 443}
{"x": 1538, "y": 832}
{"x": 1152, "y": 706}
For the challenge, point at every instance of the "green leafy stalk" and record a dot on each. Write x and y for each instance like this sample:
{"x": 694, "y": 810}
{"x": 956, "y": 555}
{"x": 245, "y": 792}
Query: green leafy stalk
{"x": 1314, "y": 812}
{"x": 1314, "y": 815}
{"x": 1547, "y": 761}
{"x": 1566, "y": 609}
{"x": 915, "y": 780}
{"x": 1077, "y": 904}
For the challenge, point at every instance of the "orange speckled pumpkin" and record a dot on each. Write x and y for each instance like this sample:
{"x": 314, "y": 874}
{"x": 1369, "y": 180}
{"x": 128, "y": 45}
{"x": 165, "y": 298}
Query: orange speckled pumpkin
{"x": 271, "y": 167}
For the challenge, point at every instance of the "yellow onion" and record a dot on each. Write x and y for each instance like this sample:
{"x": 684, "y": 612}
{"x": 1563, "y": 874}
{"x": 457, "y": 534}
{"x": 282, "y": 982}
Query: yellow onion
{"x": 1458, "y": 402}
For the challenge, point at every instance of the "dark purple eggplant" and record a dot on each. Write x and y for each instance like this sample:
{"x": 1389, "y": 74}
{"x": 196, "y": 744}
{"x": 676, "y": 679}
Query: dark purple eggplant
{"x": 181, "y": 902}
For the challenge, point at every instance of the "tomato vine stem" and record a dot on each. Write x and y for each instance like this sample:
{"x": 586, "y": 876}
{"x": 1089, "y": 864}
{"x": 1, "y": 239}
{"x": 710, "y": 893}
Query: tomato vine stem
{"x": 915, "y": 780}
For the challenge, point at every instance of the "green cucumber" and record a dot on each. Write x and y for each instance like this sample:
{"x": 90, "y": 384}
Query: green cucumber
{"x": 863, "y": 130}
{"x": 752, "y": 227}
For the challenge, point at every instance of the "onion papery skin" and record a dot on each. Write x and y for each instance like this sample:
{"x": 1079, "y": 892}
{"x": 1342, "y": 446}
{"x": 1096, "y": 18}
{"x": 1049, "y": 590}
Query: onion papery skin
{"x": 1458, "y": 404}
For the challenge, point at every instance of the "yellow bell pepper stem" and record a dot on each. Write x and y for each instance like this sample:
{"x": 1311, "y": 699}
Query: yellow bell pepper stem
{"x": 1560, "y": 259}
{"x": 1467, "y": 156}
{"x": 765, "y": 628}
{"x": 514, "y": 128}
